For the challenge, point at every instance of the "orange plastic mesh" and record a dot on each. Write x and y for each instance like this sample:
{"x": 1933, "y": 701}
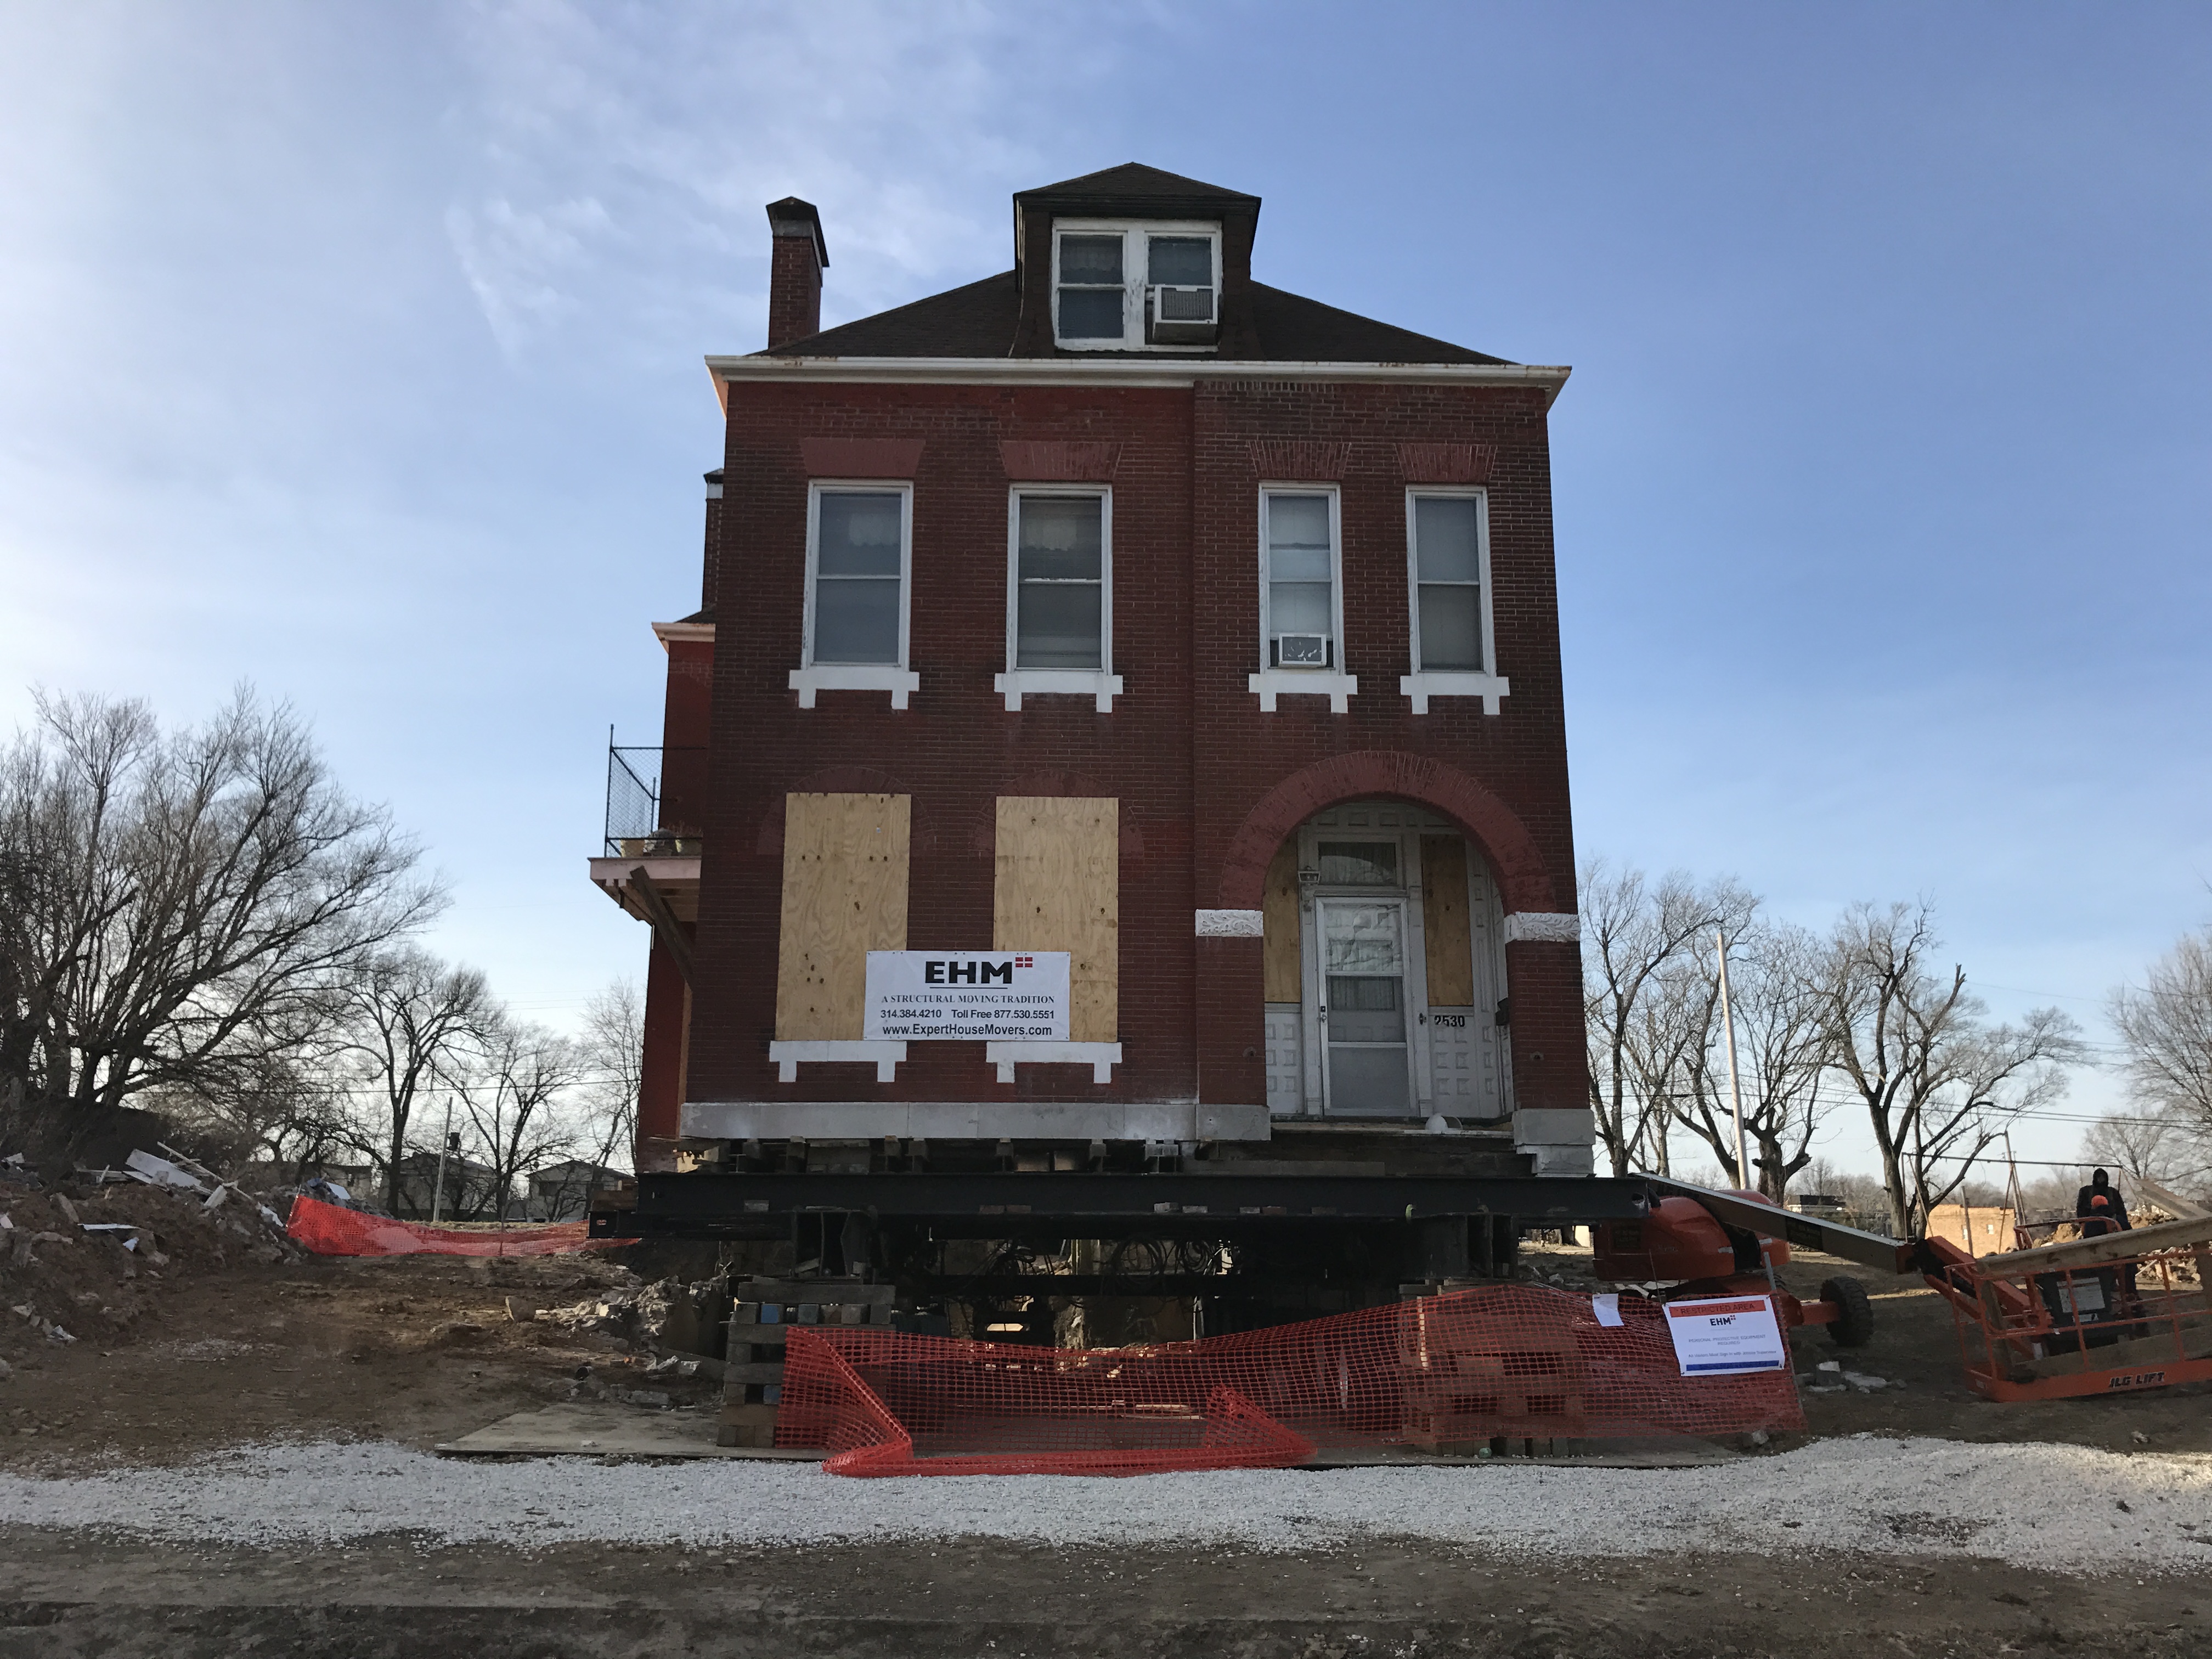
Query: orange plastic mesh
{"x": 330, "y": 1230}
{"x": 1443, "y": 1372}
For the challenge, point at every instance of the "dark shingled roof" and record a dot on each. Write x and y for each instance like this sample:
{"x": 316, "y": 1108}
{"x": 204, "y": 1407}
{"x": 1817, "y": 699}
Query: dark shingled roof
{"x": 1134, "y": 181}
{"x": 978, "y": 321}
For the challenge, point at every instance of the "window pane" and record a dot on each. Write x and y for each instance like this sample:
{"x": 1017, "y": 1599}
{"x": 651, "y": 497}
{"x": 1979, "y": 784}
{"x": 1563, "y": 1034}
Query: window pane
{"x": 1361, "y": 996}
{"x": 1058, "y": 625}
{"x": 1298, "y": 564}
{"x": 856, "y": 620}
{"x": 1299, "y": 608}
{"x": 859, "y": 534}
{"x": 1060, "y": 536}
{"x": 1362, "y": 941}
{"x": 1297, "y": 521}
{"x": 1360, "y": 863}
{"x": 1182, "y": 260}
{"x": 1093, "y": 313}
{"x": 1451, "y": 628}
{"x": 1090, "y": 260}
{"x": 1443, "y": 538}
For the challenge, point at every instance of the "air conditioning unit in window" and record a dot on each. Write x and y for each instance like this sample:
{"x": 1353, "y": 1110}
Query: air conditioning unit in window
{"x": 1181, "y": 316}
{"x": 1301, "y": 650}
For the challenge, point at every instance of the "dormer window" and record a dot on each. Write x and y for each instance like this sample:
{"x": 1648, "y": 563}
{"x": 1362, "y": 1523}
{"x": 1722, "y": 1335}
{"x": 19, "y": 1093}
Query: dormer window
{"x": 1153, "y": 286}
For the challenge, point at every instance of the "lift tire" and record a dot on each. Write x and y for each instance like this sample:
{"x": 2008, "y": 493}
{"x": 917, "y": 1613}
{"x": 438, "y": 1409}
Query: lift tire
{"x": 1853, "y": 1326}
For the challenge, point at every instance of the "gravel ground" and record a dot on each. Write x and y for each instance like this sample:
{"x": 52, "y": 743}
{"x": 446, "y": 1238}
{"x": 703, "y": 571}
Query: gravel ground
{"x": 2056, "y": 1506}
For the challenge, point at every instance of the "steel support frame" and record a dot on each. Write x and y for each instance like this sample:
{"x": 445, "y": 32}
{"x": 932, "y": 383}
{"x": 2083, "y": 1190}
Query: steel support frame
{"x": 1084, "y": 1205}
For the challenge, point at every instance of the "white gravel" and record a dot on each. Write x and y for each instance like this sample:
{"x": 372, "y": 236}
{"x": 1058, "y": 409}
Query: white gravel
{"x": 2049, "y": 1506}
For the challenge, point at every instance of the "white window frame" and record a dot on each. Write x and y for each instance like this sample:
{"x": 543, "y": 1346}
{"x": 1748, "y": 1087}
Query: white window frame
{"x": 1134, "y": 271}
{"x": 1102, "y": 682}
{"x": 897, "y": 679}
{"x": 1423, "y": 684}
{"x": 1333, "y": 683}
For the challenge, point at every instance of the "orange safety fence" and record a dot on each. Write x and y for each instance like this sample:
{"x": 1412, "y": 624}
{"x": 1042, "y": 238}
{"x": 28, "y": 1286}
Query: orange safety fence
{"x": 1442, "y": 1373}
{"x": 332, "y": 1230}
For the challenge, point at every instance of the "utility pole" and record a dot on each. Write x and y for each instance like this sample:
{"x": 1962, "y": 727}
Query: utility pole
{"x": 1736, "y": 1091}
{"x": 444, "y": 1144}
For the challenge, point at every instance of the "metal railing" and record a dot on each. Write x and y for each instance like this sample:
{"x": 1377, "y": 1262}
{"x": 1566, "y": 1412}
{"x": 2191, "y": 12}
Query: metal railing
{"x": 655, "y": 800}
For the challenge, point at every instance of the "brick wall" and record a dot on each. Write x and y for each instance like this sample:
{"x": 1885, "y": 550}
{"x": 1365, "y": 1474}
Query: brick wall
{"x": 1185, "y": 751}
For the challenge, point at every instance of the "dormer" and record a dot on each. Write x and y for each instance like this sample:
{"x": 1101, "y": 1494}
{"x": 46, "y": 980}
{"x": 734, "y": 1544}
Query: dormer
{"x": 1133, "y": 260}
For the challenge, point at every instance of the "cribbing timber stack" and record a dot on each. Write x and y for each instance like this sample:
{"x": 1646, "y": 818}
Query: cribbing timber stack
{"x": 760, "y": 1318}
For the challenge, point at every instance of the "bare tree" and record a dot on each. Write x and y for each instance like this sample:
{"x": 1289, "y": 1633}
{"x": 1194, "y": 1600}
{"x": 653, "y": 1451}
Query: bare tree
{"x": 2166, "y": 1029}
{"x": 287, "y": 1112}
{"x": 176, "y": 906}
{"x": 2162, "y": 1145}
{"x": 1938, "y": 1081}
{"x": 406, "y": 1021}
{"x": 613, "y": 1045}
{"x": 1631, "y": 934}
{"x": 1782, "y": 1054}
{"x": 510, "y": 1090}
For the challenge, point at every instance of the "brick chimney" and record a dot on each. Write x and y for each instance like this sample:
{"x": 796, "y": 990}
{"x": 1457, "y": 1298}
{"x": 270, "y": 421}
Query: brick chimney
{"x": 794, "y": 282}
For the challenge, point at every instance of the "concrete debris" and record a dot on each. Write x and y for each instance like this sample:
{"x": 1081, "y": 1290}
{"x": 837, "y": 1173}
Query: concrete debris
{"x": 665, "y": 1316}
{"x": 520, "y": 1310}
{"x": 1864, "y": 1384}
{"x": 7, "y": 1370}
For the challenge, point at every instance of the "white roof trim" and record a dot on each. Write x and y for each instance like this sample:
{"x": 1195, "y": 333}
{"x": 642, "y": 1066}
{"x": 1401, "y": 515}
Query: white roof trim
{"x": 1118, "y": 371}
{"x": 668, "y": 633}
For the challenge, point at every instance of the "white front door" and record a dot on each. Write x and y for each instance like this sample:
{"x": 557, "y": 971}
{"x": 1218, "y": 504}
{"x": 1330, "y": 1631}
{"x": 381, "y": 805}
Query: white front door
{"x": 1367, "y": 1065}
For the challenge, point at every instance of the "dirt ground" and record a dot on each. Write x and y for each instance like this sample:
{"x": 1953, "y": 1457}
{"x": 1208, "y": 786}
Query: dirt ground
{"x": 420, "y": 1349}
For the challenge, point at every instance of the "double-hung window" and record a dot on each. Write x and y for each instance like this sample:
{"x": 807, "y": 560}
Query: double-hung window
{"x": 1301, "y": 596}
{"x": 1147, "y": 286}
{"x": 859, "y": 554}
{"x": 1448, "y": 573}
{"x": 1059, "y": 594}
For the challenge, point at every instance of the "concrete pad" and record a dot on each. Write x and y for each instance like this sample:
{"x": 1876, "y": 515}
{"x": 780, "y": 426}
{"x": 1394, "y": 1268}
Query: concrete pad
{"x": 580, "y": 1430}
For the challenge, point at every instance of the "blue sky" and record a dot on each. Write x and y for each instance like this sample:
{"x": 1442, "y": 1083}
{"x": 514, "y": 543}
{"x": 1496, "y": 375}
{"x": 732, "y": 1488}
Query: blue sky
{"x": 353, "y": 349}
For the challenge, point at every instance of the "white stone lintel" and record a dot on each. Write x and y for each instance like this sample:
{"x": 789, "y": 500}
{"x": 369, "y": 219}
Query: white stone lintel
{"x": 1231, "y": 924}
{"x": 1543, "y": 927}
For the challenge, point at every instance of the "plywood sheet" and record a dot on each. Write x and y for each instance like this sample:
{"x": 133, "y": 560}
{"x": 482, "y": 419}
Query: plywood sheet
{"x": 844, "y": 895}
{"x": 1278, "y": 908}
{"x": 1445, "y": 916}
{"x": 1058, "y": 887}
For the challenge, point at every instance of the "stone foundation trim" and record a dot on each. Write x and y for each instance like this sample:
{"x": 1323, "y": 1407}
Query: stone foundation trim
{"x": 1232, "y": 924}
{"x": 789, "y": 1056}
{"x": 1544, "y": 927}
{"x": 971, "y": 1120}
{"x": 1101, "y": 1057}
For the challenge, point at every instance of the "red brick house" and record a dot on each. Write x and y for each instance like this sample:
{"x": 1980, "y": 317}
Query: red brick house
{"x": 1121, "y": 604}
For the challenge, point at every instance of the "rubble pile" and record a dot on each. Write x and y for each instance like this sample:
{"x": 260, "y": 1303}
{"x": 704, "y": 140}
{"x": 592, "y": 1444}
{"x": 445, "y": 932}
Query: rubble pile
{"x": 666, "y": 1317}
{"x": 88, "y": 1260}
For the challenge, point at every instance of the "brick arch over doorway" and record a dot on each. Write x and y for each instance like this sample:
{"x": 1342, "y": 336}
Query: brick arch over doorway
{"x": 1525, "y": 881}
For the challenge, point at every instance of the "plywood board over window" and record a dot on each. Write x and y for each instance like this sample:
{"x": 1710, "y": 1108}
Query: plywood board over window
{"x": 1059, "y": 888}
{"x": 1444, "y": 913}
{"x": 844, "y": 895}
{"x": 1279, "y": 914}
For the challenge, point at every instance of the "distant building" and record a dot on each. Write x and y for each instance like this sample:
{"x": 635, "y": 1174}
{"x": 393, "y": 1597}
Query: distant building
{"x": 1977, "y": 1229}
{"x": 563, "y": 1192}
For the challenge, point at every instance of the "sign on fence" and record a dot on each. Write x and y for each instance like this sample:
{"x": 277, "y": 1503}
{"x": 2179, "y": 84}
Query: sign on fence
{"x": 953, "y": 995}
{"x": 1726, "y": 1336}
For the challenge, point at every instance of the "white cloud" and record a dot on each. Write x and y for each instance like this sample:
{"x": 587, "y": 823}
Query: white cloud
{"x": 676, "y": 124}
